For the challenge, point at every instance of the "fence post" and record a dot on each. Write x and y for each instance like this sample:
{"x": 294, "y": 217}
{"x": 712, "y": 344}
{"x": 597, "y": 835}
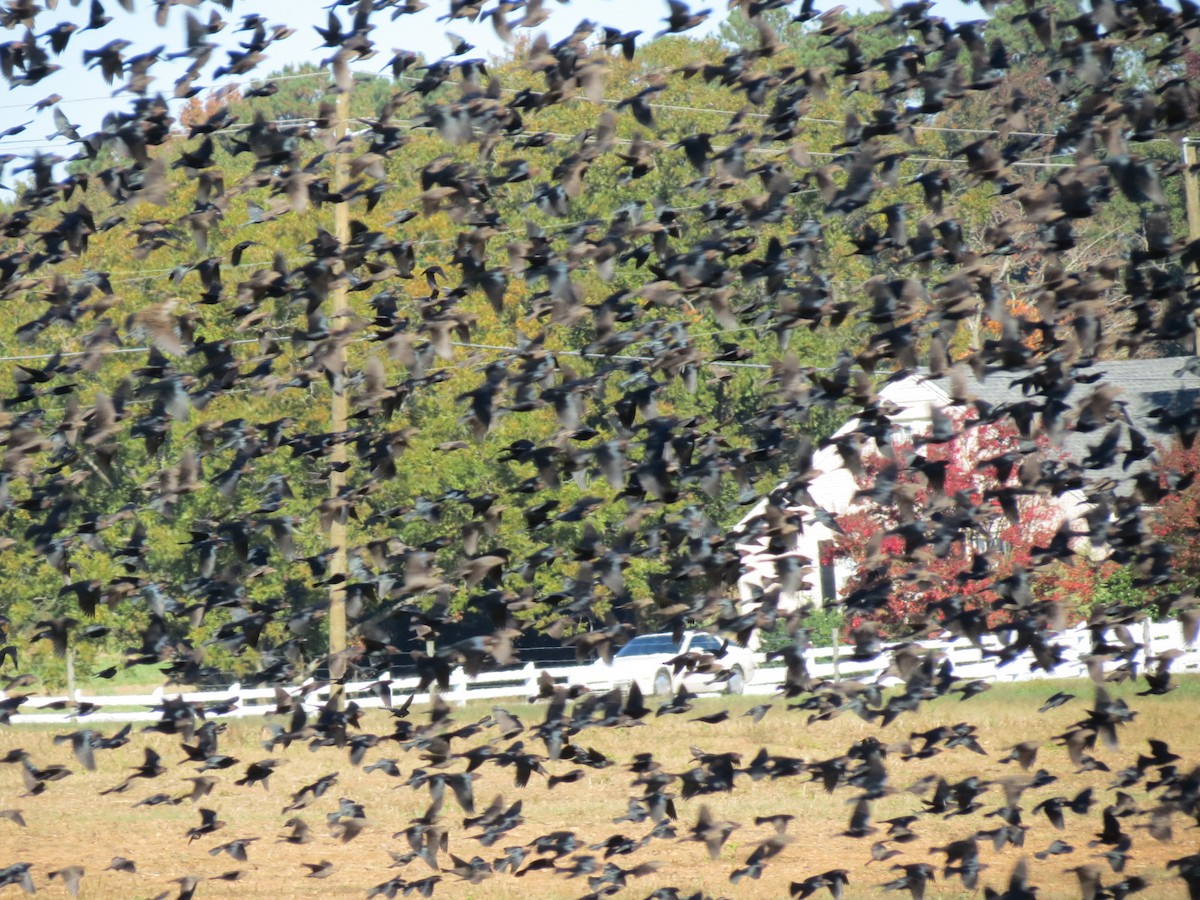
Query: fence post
{"x": 531, "y": 680}
{"x": 458, "y": 686}
{"x": 1147, "y": 643}
{"x": 71, "y": 688}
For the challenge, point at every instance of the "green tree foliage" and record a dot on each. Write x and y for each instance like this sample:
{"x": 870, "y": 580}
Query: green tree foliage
{"x": 432, "y": 457}
{"x": 225, "y": 535}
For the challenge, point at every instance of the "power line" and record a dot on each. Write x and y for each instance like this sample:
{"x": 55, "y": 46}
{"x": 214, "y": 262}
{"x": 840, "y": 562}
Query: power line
{"x": 626, "y": 357}
{"x": 49, "y": 142}
{"x": 109, "y": 97}
{"x": 675, "y": 107}
{"x": 293, "y": 260}
{"x": 113, "y": 351}
{"x": 816, "y": 120}
{"x": 141, "y": 274}
{"x": 106, "y": 351}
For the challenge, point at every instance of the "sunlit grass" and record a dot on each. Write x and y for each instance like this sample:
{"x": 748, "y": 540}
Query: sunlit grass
{"x": 71, "y": 823}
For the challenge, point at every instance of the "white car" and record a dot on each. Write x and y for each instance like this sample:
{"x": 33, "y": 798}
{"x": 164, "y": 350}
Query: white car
{"x": 646, "y": 660}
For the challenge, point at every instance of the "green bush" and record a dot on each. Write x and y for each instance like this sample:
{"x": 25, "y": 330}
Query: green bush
{"x": 821, "y": 623}
{"x": 1119, "y": 589}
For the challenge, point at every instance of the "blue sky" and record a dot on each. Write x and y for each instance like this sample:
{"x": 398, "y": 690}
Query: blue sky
{"x": 86, "y": 98}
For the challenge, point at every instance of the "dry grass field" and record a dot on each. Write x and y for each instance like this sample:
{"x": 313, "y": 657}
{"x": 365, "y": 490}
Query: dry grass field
{"x": 72, "y": 823}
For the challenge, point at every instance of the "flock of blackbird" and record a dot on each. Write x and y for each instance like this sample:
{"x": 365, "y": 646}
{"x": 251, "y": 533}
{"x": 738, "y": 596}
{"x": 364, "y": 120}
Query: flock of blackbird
{"x": 688, "y": 269}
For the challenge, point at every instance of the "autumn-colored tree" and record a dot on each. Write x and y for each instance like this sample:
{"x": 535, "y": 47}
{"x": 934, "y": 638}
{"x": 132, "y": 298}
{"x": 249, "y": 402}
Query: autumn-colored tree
{"x": 937, "y": 520}
{"x": 200, "y": 108}
{"x": 1191, "y": 60}
{"x": 1177, "y": 516}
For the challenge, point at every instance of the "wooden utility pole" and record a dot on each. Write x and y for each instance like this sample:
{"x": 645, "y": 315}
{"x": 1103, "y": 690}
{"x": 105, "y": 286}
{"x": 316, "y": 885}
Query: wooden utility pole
{"x": 336, "y": 534}
{"x": 1191, "y": 193}
{"x": 71, "y": 674}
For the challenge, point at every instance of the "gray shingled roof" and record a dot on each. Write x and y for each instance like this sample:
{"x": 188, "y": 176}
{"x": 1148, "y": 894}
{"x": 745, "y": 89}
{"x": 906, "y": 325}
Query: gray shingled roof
{"x": 1147, "y": 385}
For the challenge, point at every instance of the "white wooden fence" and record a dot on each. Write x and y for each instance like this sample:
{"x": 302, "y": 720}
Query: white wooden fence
{"x": 969, "y": 663}
{"x": 510, "y": 683}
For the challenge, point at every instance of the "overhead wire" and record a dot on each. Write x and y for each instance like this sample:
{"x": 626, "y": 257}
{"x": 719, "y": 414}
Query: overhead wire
{"x": 950, "y": 129}
{"x": 140, "y": 274}
{"x": 816, "y": 120}
{"x": 109, "y": 97}
{"x": 52, "y": 142}
{"x": 582, "y": 354}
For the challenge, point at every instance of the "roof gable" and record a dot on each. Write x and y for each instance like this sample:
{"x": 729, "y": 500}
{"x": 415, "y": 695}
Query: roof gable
{"x": 1145, "y": 386}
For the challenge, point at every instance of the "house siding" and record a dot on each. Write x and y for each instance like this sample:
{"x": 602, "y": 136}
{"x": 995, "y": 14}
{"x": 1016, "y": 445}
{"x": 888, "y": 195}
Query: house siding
{"x": 1145, "y": 385}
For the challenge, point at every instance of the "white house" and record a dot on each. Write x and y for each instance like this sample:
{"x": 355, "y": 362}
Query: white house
{"x": 784, "y": 538}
